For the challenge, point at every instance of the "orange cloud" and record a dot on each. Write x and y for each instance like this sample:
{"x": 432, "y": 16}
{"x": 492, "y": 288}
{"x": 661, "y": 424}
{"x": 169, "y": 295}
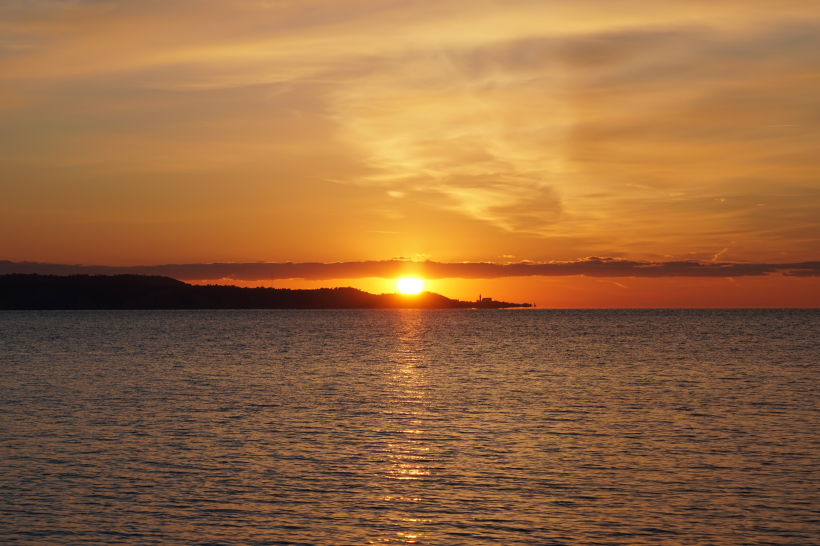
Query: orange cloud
{"x": 154, "y": 132}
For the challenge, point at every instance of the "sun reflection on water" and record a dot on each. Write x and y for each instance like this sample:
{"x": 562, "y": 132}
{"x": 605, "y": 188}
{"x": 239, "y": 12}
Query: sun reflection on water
{"x": 409, "y": 451}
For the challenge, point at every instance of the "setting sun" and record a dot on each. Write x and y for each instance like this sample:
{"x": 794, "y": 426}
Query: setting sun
{"x": 410, "y": 286}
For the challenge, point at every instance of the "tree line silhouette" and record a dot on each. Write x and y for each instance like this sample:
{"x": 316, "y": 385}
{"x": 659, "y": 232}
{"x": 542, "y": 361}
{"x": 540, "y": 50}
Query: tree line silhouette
{"x": 45, "y": 292}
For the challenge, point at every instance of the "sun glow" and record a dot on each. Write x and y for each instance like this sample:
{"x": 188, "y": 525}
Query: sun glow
{"x": 410, "y": 286}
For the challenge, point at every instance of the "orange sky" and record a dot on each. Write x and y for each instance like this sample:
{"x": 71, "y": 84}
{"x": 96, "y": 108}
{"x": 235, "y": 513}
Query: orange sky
{"x": 143, "y": 133}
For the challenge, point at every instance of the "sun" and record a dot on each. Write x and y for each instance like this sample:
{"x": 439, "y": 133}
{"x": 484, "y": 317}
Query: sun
{"x": 410, "y": 286}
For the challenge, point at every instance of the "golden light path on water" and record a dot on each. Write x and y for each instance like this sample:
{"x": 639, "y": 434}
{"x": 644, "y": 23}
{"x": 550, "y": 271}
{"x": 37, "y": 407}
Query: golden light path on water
{"x": 409, "y": 458}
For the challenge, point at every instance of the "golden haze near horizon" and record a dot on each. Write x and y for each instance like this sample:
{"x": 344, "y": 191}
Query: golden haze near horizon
{"x": 185, "y": 132}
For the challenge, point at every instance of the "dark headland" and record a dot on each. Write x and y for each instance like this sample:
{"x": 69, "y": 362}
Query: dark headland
{"x": 45, "y": 292}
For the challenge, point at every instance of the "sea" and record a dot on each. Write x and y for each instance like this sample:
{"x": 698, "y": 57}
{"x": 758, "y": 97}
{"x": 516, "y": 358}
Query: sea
{"x": 446, "y": 427}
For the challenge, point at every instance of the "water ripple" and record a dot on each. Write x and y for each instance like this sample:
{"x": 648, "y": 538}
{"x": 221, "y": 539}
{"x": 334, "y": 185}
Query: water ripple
{"x": 409, "y": 427}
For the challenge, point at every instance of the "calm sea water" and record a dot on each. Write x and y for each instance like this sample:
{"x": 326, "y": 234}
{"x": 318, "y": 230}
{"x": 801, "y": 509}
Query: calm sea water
{"x": 427, "y": 427}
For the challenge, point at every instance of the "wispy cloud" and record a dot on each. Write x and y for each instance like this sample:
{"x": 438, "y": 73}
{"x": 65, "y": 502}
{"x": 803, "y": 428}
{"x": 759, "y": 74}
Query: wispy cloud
{"x": 601, "y": 127}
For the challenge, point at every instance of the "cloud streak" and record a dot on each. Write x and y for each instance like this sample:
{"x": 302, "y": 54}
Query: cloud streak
{"x": 151, "y": 131}
{"x": 595, "y": 267}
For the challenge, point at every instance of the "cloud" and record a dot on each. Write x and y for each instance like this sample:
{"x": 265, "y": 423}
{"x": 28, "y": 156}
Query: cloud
{"x": 516, "y": 132}
{"x": 719, "y": 254}
{"x": 604, "y": 127}
{"x": 589, "y": 267}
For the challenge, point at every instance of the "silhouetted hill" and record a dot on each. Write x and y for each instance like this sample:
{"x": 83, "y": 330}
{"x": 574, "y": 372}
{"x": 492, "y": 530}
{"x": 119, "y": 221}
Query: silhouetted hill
{"x": 40, "y": 292}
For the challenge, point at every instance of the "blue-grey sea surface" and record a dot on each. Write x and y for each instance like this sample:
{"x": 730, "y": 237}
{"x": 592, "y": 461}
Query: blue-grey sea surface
{"x": 406, "y": 426}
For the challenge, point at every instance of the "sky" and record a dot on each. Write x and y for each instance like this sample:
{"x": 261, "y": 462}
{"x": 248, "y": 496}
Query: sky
{"x": 365, "y": 132}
